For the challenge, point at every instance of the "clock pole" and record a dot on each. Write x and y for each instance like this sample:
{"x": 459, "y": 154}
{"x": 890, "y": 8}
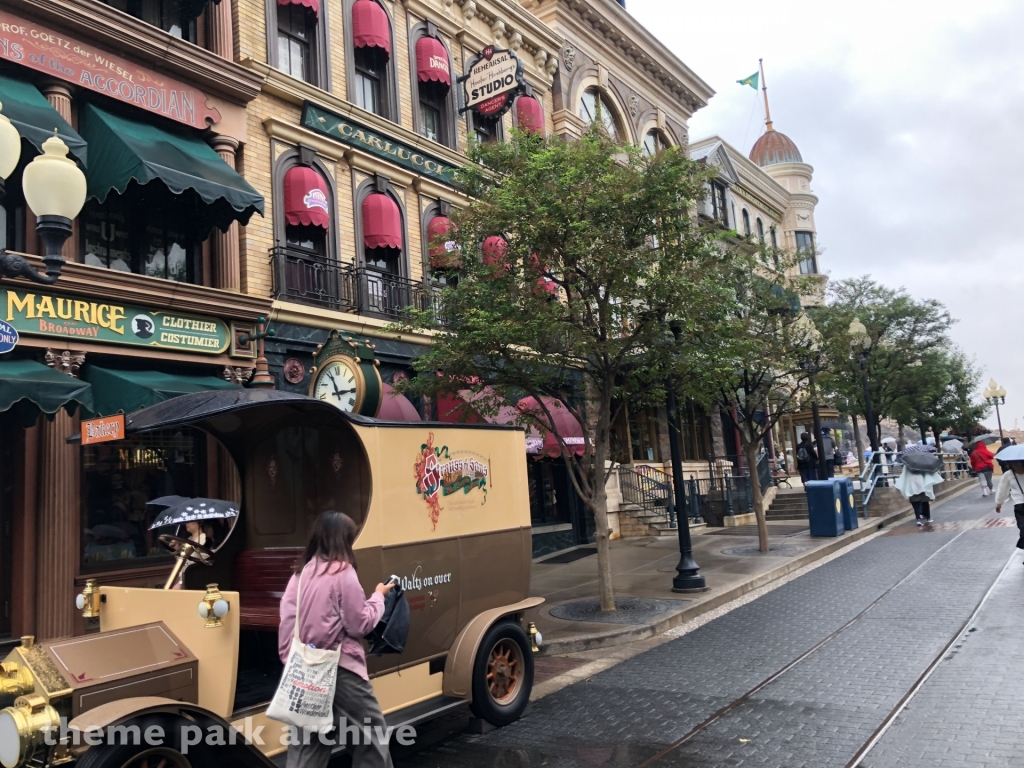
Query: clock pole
{"x": 262, "y": 379}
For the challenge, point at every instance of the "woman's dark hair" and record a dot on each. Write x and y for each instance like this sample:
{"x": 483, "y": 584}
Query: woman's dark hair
{"x": 804, "y": 436}
{"x": 331, "y": 540}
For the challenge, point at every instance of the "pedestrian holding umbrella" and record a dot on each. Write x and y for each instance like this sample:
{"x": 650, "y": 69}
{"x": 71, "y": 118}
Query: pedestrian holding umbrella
{"x": 981, "y": 463}
{"x": 1011, "y": 486}
{"x": 917, "y": 482}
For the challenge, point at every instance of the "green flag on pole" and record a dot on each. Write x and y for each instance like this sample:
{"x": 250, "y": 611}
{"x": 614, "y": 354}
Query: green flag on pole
{"x": 751, "y": 81}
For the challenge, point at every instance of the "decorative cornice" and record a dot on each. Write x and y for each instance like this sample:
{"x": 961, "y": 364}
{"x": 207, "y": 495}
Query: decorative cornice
{"x": 318, "y": 317}
{"x": 125, "y": 35}
{"x": 130, "y": 288}
{"x": 65, "y": 360}
{"x": 237, "y": 376}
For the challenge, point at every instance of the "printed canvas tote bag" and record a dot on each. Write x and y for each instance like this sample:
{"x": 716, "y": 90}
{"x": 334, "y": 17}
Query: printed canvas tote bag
{"x": 305, "y": 695}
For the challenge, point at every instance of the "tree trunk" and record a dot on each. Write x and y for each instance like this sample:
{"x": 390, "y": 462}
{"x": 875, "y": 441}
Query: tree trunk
{"x": 860, "y": 443}
{"x": 750, "y": 453}
{"x": 599, "y": 501}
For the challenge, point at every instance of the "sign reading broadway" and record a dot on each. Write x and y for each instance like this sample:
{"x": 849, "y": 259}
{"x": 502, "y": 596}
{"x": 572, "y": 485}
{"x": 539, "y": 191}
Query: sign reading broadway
{"x": 44, "y": 314}
{"x": 350, "y": 132}
{"x": 491, "y": 80}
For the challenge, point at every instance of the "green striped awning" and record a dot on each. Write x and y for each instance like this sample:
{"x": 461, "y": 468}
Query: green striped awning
{"x": 34, "y": 117}
{"x": 128, "y": 391}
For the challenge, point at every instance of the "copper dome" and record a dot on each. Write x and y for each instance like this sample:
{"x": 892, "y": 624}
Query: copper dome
{"x": 774, "y": 147}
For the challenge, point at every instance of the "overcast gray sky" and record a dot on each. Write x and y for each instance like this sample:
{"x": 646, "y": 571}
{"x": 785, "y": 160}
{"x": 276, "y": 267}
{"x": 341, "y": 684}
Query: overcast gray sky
{"x": 912, "y": 114}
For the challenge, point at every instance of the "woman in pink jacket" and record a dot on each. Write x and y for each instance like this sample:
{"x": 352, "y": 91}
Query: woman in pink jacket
{"x": 334, "y": 611}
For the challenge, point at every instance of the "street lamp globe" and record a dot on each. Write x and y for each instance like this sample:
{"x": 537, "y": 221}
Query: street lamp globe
{"x": 10, "y": 149}
{"x": 859, "y": 334}
{"x": 55, "y": 189}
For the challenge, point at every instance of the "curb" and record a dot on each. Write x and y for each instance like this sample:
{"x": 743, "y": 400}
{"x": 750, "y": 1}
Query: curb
{"x": 643, "y": 631}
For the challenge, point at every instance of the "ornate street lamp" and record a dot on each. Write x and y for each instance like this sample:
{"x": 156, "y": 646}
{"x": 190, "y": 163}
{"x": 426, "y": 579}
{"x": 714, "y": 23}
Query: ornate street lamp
{"x": 995, "y": 395}
{"x": 860, "y": 340}
{"x": 54, "y": 188}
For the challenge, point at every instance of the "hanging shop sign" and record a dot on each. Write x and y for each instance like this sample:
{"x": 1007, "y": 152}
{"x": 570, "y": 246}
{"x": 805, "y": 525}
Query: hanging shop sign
{"x": 8, "y": 337}
{"x": 103, "y": 430}
{"x": 44, "y": 314}
{"x": 31, "y": 45}
{"x": 491, "y": 81}
{"x": 352, "y": 133}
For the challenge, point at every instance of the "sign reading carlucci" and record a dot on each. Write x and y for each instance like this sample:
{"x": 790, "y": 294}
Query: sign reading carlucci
{"x": 350, "y": 132}
{"x": 55, "y": 54}
{"x": 44, "y": 314}
{"x": 491, "y": 80}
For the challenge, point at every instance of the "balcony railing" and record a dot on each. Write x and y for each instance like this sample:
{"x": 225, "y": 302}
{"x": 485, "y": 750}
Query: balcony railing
{"x": 310, "y": 279}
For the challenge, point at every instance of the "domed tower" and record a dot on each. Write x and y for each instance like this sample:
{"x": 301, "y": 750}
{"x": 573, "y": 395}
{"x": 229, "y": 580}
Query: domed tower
{"x": 779, "y": 157}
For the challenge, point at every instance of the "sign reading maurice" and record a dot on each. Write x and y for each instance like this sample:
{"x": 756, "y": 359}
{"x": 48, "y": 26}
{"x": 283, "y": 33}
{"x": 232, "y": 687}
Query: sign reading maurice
{"x": 350, "y": 132}
{"x": 44, "y": 314}
{"x": 31, "y": 45}
{"x": 491, "y": 80}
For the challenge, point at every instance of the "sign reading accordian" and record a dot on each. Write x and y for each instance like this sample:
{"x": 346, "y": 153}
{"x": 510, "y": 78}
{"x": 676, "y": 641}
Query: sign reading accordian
{"x": 44, "y": 314}
{"x": 492, "y": 79}
{"x": 350, "y": 132}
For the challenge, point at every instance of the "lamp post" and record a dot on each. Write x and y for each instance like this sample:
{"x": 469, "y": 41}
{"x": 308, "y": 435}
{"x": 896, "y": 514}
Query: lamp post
{"x": 859, "y": 337}
{"x": 687, "y": 578}
{"x": 54, "y": 188}
{"x": 996, "y": 395}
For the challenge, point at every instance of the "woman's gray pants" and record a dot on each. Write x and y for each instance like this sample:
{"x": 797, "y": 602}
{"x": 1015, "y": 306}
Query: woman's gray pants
{"x": 354, "y": 705}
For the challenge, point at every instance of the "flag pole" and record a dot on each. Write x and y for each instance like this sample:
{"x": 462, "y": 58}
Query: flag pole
{"x": 764, "y": 90}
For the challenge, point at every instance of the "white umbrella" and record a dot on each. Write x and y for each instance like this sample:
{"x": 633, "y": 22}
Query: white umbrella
{"x": 889, "y": 440}
{"x": 952, "y": 446}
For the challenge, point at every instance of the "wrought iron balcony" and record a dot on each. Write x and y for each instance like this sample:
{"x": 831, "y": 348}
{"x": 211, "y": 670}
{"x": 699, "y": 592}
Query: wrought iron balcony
{"x": 311, "y": 279}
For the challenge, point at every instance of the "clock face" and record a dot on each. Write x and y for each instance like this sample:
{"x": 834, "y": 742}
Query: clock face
{"x": 338, "y": 383}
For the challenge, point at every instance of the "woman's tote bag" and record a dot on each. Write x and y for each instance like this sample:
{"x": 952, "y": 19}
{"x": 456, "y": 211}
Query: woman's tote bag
{"x": 305, "y": 695}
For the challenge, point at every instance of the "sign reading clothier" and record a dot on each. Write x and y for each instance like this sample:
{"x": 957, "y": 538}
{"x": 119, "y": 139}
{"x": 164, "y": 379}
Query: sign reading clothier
{"x": 30, "y": 45}
{"x": 44, "y": 314}
{"x": 350, "y": 132}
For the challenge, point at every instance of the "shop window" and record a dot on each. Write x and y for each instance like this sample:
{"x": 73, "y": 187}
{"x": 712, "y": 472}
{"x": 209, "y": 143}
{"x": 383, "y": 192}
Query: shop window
{"x": 296, "y": 36}
{"x": 805, "y": 248}
{"x": 550, "y": 500}
{"x": 643, "y": 436}
{"x": 147, "y": 231}
{"x": 119, "y": 477}
{"x": 596, "y": 108}
{"x": 695, "y": 434}
{"x": 176, "y": 17}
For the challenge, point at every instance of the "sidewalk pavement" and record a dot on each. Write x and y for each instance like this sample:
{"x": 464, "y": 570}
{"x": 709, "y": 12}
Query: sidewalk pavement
{"x": 644, "y": 568}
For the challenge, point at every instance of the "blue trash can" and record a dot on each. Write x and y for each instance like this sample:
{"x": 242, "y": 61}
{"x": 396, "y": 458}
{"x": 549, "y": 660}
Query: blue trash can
{"x": 825, "y": 508}
{"x": 849, "y": 504}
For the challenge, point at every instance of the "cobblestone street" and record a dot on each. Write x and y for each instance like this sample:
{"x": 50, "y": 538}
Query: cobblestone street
{"x": 811, "y": 674}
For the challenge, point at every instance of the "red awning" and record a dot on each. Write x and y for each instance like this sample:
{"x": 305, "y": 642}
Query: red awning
{"x": 544, "y": 284}
{"x": 461, "y": 408}
{"x": 432, "y": 61}
{"x": 396, "y": 407}
{"x": 371, "y": 27}
{"x": 569, "y": 429}
{"x": 529, "y": 115}
{"x": 305, "y": 198}
{"x": 382, "y": 221}
{"x": 495, "y": 249}
{"x": 313, "y": 5}
{"x": 443, "y": 251}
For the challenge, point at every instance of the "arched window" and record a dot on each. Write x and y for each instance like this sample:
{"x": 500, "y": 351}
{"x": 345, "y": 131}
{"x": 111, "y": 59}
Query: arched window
{"x": 775, "y": 243}
{"x": 746, "y": 223}
{"x": 297, "y": 42}
{"x": 383, "y": 286}
{"x": 371, "y": 84}
{"x": 596, "y": 108}
{"x": 654, "y": 143}
{"x": 760, "y": 230}
{"x": 433, "y": 97}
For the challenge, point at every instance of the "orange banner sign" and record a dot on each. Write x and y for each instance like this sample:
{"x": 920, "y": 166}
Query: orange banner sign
{"x": 31, "y": 45}
{"x": 103, "y": 430}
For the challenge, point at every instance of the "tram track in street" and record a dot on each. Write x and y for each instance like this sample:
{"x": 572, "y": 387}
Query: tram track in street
{"x": 890, "y": 718}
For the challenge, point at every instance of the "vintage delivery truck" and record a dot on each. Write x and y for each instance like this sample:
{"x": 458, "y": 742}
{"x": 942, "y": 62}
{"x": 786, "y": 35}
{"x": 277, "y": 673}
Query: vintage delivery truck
{"x": 444, "y": 507}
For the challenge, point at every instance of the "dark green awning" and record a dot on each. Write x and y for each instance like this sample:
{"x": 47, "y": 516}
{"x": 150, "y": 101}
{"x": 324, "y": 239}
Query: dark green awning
{"x": 125, "y": 150}
{"x": 28, "y": 388}
{"x": 35, "y": 118}
{"x": 128, "y": 391}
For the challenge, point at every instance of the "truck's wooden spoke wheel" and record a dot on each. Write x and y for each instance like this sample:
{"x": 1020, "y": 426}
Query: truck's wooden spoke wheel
{"x": 158, "y": 757}
{"x": 504, "y": 670}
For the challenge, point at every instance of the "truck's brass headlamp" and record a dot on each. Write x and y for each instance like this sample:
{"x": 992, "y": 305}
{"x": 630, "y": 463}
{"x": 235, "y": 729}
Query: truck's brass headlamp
{"x": 15, "y": 680}
{"x": 23, "y": 729}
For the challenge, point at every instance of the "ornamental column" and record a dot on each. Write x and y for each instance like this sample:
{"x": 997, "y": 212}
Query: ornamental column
{"x": 59, "y": 521}
{"x": 219, "y": 29}
{"x": 59, "y": 96}
{"x": 227, "y": 271}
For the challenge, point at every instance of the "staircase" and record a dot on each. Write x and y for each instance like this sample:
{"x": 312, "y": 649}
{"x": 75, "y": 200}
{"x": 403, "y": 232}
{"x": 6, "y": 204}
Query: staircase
{"x": 646, "y": 501}
{"x": 788, "y": 504}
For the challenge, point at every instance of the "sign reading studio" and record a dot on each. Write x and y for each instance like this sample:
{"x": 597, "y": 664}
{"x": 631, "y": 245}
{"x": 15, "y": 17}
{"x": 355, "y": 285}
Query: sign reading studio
{"x": 491, "y": 81}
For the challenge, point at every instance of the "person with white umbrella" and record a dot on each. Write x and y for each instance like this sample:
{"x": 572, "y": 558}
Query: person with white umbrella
{"x": 1011, "y": 486}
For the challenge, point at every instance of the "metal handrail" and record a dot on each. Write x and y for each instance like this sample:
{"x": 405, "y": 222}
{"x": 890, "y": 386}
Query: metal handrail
{"x": 876, "y": 472}
{"x": 650, "y": 489}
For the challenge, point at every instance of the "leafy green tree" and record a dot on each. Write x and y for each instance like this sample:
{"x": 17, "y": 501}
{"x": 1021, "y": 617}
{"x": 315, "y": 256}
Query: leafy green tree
{"x": 571, "y": 259}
